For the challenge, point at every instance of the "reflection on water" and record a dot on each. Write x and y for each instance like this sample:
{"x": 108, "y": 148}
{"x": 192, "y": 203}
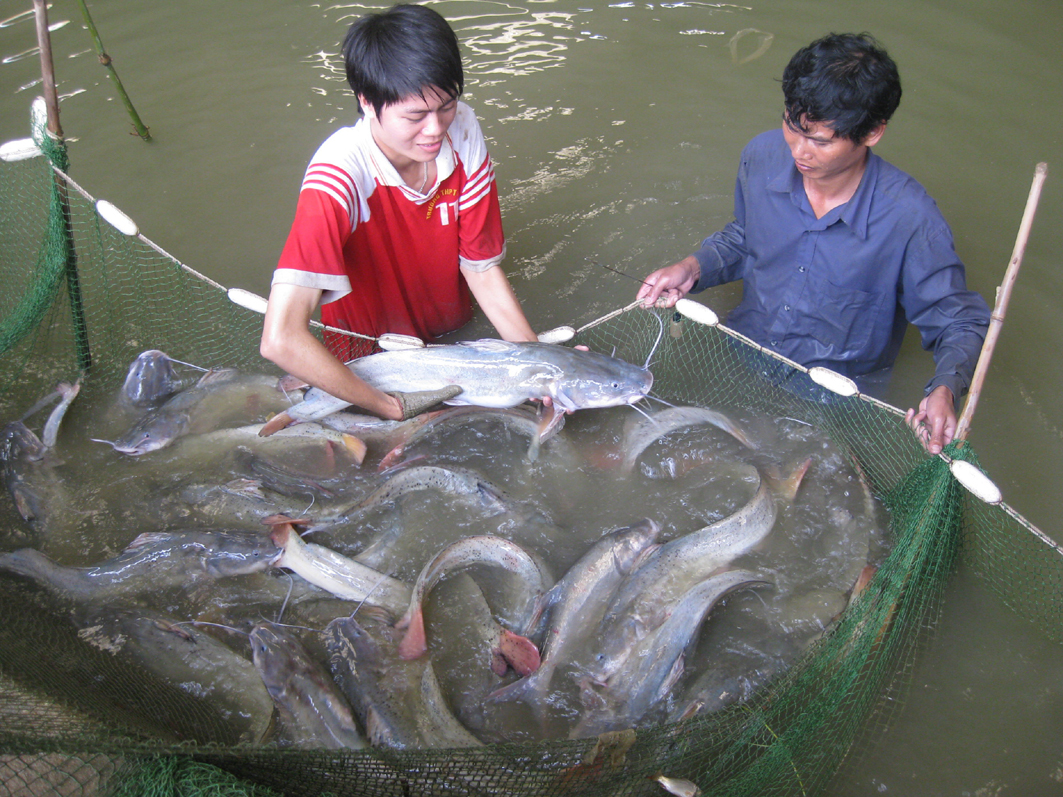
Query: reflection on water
{"x": 616, "y": 129}
{"x": 763, "y": 42}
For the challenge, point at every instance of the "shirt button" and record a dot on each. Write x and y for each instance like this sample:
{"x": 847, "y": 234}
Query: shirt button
{"x": 775, "y": 343}
{"x": 801, "y": 269}
{"x": 786, "y": 307}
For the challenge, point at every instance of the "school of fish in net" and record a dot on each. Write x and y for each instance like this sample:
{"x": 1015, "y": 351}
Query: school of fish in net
{"x": 490, "y": 571}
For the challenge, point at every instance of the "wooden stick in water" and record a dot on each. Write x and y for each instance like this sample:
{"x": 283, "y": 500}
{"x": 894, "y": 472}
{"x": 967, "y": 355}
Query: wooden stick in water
{"x": 44, "y": 43}
{"x": 996, "y": 321}
{"x": 105, "y": 59}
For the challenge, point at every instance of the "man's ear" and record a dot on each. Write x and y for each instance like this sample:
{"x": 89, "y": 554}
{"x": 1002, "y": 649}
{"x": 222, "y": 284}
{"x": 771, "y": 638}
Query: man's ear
{"x": 874, "y": 136}
{"x": 367, "y": 108}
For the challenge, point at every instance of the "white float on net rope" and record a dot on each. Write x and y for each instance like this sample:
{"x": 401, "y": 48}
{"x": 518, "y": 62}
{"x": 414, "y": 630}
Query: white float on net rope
{"x": 976, "y": 482}
{"x": 696, "y": 311}
{"x": 833, "y": 381}
{"x": 19, "y": 150}
{"x": 116, "y": 218}
{"x": 393, "y": 341}
{"x": 246, "y": 299}
{"x": 557, "y": 335}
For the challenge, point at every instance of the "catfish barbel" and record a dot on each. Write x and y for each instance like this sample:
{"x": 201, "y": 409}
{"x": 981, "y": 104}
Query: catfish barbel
{"x": 491, "y": 373}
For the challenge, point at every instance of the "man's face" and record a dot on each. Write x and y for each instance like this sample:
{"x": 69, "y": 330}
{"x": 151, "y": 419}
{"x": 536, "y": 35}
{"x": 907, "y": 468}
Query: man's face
{"x": 820, "y": 154}
{"x": 412, "y": 129}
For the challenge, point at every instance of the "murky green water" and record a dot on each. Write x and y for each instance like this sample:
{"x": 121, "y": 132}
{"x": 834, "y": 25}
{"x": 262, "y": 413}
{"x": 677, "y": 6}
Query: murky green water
{"x": 616, "y": 129}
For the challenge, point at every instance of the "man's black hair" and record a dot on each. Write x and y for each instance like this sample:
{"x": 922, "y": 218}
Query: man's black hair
{"x": 844, "y": 80}
{"x": 402, "y": 51}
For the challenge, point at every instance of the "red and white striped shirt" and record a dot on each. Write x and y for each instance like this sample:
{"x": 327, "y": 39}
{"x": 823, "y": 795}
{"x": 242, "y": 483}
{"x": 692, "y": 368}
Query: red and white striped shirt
{"x": 386, "y": 257}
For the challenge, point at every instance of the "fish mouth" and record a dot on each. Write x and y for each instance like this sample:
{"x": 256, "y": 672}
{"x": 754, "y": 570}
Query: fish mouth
{"x": 644, "y": 391}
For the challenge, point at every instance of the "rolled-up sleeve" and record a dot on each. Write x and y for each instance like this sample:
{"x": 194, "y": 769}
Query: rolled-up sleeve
{"x": 952, "y": 321}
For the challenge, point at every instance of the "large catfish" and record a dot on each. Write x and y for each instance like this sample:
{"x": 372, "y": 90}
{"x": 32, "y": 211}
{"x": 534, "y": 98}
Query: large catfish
{"x": 399, "y": 702}
{"x": 491, "y": 373}
{"x": 577, "y": 603}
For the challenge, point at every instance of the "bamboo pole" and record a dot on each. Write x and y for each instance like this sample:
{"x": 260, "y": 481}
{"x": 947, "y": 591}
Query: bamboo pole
{"x": 105, "y": 59}
{"x": 996, "y": 321}
{"x": 44, "y": 43}
{"x": 51, "y": 101}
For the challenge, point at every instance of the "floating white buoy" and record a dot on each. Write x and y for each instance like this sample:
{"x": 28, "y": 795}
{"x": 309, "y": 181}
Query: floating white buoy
{"x": 19, "y": 150}
{"x": 116, "y": 218}
{"x": 980, "y": 485}
{"x": 557, "y": 335}
{"x": 252, "y": 301}
{"x": 390, "y": 341}
{"x": 833, "y": 381}
{"x": 696, "y": 311}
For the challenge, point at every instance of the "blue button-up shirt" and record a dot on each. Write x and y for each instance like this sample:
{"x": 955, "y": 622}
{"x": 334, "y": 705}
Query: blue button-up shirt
{"x": 839, "y": 291}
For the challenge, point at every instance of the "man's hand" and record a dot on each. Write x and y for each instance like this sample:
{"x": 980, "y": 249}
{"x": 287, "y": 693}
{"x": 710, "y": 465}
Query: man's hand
{"x": 935, "y": 423}
{"x": 288, "y": 342}
{"x": 666, "y": 286}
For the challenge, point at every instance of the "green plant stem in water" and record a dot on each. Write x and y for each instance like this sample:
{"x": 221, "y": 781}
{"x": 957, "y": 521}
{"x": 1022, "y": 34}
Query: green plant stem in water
{"x": 105, "y": 59}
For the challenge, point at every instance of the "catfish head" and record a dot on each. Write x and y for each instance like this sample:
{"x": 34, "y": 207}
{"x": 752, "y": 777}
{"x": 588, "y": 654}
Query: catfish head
{"x": 594, "y": 380}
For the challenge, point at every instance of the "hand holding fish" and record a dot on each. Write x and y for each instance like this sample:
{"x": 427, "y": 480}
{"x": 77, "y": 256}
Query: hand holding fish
{"x": 288, "y": 342}
{"x": 666, "y": 286}
{"x": 935, "y": 422}
{"x": 417, "y": 402}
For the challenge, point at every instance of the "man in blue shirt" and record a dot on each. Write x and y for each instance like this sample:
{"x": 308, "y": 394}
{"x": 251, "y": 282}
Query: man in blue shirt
{"x": 838, "y": 249}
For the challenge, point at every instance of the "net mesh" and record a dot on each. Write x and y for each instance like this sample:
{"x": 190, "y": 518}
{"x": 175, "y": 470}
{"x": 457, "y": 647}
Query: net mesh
{"x": 83, "y": 298}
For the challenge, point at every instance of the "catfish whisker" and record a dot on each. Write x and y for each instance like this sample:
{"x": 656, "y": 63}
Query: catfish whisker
{"x": 300, "y": 627}
{"x": 284, "y": 605}
{"x": 198, "y": 623}
{"x": 643, "y": 413}
{"x": 189, "y": 365}
{"x": 661, "y": 400}
{"x": 363, "y": 600}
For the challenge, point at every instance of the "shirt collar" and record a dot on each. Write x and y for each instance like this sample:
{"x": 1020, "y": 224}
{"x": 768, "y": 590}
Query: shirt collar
{"x": 854, "y": 213}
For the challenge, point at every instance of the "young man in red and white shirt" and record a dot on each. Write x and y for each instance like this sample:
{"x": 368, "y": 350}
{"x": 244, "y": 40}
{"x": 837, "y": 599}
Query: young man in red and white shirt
{"x": 398, "y": 225}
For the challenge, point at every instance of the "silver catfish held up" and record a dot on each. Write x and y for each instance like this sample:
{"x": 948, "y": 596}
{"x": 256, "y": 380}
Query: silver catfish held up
{"x": 494, "y": 373}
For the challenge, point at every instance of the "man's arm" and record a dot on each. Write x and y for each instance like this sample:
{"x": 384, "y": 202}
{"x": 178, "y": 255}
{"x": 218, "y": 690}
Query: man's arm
{"x": 952, "y": 322}
{"x": 288, "y": 342}
{"x": 496, "y": 298}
